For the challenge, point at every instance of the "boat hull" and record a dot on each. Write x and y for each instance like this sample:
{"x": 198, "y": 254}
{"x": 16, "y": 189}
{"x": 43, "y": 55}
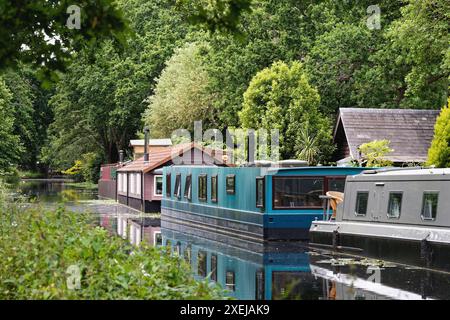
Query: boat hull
{"x": 419, "y": 246}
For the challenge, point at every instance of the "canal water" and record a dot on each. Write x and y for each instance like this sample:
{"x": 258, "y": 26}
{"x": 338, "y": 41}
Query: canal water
{"x": 279, "y": 270}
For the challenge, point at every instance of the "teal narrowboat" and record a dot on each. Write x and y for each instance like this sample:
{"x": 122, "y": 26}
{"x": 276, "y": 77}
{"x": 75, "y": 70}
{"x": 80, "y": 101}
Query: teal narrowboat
{"x": 248, "y": 203}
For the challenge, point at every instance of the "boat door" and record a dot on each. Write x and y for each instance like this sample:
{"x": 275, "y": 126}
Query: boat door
{"x": 376, "y": 209}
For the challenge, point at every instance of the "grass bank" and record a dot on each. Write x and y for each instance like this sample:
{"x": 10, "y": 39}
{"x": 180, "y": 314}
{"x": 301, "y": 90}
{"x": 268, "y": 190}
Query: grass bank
{"x": 62, "y": 255}
{"x": 83, "y": 185}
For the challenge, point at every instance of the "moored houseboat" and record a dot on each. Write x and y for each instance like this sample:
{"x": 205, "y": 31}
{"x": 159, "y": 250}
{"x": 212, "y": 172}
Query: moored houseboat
{"x": 394, "y": 214}
{"x": 249, "y": 204}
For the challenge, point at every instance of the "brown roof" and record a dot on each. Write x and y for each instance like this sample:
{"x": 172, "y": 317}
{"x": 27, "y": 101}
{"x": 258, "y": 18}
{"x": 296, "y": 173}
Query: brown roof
{"x": 409, "y": 131}
{"x": 158, "y": 157}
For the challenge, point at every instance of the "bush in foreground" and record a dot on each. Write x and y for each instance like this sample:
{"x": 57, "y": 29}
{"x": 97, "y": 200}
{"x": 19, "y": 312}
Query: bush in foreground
{"x": 42, "y": 253}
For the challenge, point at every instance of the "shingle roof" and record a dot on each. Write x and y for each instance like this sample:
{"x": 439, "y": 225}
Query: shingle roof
{"x": 409, "y": 131}
{"x": 160, "y": 156}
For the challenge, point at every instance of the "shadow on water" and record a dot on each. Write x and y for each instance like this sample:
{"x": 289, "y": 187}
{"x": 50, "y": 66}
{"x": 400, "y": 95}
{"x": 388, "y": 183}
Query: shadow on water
{"x": 280, "y": 270}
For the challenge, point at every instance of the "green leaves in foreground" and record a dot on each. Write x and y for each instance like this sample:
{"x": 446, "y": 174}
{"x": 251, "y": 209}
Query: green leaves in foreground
{"x": 42, "y": 251}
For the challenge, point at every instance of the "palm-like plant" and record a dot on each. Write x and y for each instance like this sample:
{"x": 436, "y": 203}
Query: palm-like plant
{"x": 307, "y": 145}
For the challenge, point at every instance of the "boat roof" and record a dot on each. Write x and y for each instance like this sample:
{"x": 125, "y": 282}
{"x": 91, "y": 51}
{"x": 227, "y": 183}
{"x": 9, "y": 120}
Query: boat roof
{"x": 408, "y": 171}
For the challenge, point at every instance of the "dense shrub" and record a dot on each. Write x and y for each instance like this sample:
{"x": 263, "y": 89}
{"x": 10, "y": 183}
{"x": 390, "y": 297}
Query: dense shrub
{"x": 41, "y": 253}
{"x": 439, "y": 152}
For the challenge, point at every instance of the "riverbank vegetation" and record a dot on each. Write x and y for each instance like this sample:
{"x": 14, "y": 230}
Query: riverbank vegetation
{"x": 62, "y": 255}
{"x": 169, "y": 62}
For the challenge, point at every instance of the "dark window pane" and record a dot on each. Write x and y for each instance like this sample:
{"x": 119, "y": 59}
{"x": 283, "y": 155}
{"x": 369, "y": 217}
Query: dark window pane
{"x": 214, "y": 188}
{"x": 260, "y": 192}
{"x": 201, "y": 263}
{"x": 259, "y": 287}
{"x": 230, "y": 283}
{"x": 231, "y": 184}
{"x": 168, "y": 186}
{"x": 395, "y": 204}
{"x": 188, "y": 187}
{"x": 202, "y": 188}
{"x": 362, "y": 198}
{"x": 297, "y": 192}
{"x": 336, "y": 184}
{"x": 213, "y": 267}
{"x": 158, "y": 239}
{"x": 158, "y": 185}
{"x": 429, "y": 205}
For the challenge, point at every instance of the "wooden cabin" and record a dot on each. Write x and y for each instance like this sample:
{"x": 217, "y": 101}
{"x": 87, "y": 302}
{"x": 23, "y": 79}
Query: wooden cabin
{"x": 140, "y": 182}
{"x": 409, "y": 131}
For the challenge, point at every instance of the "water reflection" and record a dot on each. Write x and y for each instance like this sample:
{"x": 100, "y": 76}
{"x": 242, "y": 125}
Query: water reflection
{"x": 280, "y": 270}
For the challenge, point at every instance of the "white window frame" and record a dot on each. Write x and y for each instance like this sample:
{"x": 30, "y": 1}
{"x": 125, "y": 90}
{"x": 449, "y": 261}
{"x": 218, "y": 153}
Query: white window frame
{"x": 154, "y": 185}
{"x": 154, "y": 237}
{"x": 119, "y": 181}
{"x": 138, "y": 184}
{"x": 133, "y": 183}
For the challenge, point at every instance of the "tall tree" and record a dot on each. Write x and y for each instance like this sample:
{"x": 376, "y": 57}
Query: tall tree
{"x": 181, "y": 95}
{"x": 280, "y": 97}
{"x": 10, "y": 145}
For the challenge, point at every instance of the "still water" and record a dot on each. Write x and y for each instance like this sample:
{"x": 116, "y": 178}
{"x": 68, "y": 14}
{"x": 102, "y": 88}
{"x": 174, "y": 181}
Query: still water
{"x": 279, "y": 270}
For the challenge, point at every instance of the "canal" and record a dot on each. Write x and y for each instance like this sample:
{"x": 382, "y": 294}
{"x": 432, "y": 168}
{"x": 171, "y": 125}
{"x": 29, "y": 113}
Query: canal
{"x": 279, "y": 270}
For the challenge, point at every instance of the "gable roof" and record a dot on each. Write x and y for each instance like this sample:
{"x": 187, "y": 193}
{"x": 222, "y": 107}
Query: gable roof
{"x": 161, "y": 156}
{"x": 409, "y": 131}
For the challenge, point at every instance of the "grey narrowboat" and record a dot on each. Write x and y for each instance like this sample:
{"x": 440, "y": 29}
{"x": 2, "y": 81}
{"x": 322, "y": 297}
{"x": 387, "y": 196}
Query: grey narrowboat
{"x": 394, "y": 214}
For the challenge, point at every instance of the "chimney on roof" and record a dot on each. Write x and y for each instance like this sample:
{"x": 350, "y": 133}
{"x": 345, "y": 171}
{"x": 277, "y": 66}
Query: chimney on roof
{"x": 120, "y": 156}
{"x": 146, "y": 132}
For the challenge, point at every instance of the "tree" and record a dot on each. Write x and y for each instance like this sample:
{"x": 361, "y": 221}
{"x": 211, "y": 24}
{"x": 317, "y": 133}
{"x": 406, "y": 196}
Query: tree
{"x": 99, "y": 101}
{"x": 439, "y": 152}
{"x": 181, "y": 95}
{"x": 10, "y": 145}
{"x": 374, "y": 153}
{"x": 280, "y": 97}
{"x": 36, "y": 31}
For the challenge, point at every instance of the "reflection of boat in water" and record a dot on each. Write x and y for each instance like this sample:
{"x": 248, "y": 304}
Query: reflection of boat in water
{"x": 399, "y": 215}
{"x": 283, "y": 270}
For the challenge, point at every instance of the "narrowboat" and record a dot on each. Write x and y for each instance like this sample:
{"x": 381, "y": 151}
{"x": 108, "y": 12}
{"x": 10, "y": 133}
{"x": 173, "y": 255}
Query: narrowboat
{"x": 394, "y": 214}
{"x": 250, "y": 204}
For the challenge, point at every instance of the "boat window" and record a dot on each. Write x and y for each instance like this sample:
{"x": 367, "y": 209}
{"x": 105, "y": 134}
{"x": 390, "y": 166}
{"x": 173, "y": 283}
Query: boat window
{"x": 168, "y": 185}
{"x": 201, "y": 263}
{"x": 188, "y": 188}
{"x": 362, "y": 198}
{"x": 214, "y": 267}
{"x": 297, "y": 192}
{"x": 202, "y": 187}
{"x": 336, "y": 184}
{"x": 231, "y": 184}
{"x": 395, "y": 204}
{"x": 230, "y": 283}
{"x": 158, "y": 189}
{"x": 157, "y": 239}
{"x": 429, "y": 205}
{"x": 178, "y": 249}
{"x": 214, "y": 188}
{"x": 177, "y": 189}
{"x": 260, "y": 192}
{"x": 188, "y": 253}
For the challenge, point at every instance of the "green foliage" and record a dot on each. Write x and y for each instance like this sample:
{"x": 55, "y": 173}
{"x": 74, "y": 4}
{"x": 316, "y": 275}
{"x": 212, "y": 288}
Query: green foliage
{"x": 218, "y": 15}
{"x": 439, "y": 152}
{"x": 46, "y": 20}
{"x": 374, "y": 152}
{"x": 181, "y": 94}
{"x": 10, "y": 145}
{"x": 41, "y": 252}
{"x": 75, "y": 171}
{"x": 281, "y": 98}
{"x": 31, "y": 113}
